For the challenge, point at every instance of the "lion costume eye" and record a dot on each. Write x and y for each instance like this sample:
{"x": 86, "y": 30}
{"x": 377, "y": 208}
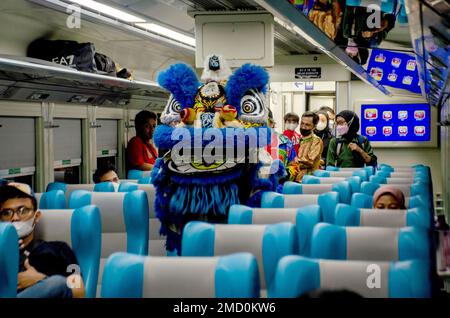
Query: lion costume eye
{"x": 253, "y": 107}
{"x": 171, "y": 112}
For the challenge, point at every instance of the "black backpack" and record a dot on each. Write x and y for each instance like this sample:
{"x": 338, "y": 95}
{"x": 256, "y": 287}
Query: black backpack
{"x": 80, "y": 56}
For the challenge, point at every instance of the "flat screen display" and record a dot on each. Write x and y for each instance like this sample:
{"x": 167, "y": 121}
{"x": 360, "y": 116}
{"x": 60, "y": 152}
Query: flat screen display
{"x": 394, "y": 69}
{"x": 396, "y": 122}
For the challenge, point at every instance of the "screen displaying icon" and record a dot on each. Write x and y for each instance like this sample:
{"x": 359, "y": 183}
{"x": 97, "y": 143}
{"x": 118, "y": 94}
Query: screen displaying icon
{"x": 371, "y": 131}
{"x": 396, "y": 62}
{"x": 407, "y": 80}
{"x": 403, "y": 130}
{"x": 411, "y": 65}
{"x": 376, "y": 73}
{"x": 403, "y": 115}
{"x": 419, "y": 115}
{"x": 407, "y": 122}
{"x": 419, "y": 130}
{"x": 371, "y": 113}
{"x": 387, "y": 130}
{"x": 392, "y": 77}
{"x": 387, "y": 115}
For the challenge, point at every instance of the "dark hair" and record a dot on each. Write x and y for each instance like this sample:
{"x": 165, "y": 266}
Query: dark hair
{"x": 142, "y": 117}
{"x": 102, "y": 170}
{"x": 314, "y": 116}
{"x": 293, "y": 116}
{"x": 327, "y": 109}
{"x": 11, "y": 192}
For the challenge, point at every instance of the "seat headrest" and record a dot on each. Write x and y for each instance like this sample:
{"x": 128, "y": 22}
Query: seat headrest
{"x": 267, "y": 242}
{"x": 9, "y": 260}
{"x": 297, "y": 276}
{"x": 132, "y": 276}
{"x": 369, "y": 243}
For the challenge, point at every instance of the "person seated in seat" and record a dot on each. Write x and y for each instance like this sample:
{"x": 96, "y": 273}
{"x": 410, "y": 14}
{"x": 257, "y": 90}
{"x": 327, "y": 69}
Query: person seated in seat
{"x": 388, "y": 197}
{"x": 141, "y": 154}
{"x": 106, "y": 173}
{"x": 46, "y": 269}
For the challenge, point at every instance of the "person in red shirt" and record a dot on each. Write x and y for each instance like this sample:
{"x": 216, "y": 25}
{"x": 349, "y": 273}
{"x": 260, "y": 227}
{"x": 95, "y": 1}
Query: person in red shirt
{"x": 141, "y": 154}
{"x": 291, "y": 121}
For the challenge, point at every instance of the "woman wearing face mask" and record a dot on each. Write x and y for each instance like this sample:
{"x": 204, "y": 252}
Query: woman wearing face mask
{"x": 323, "y": 132}
{"x": 349, "y": 149}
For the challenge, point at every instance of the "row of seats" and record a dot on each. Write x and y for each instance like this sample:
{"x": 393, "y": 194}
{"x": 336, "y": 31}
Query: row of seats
{"x": 271, "y": 248}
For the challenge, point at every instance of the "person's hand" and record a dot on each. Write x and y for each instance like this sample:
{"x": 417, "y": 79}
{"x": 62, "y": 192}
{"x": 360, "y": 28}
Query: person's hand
{"x": 21, "y": 244}
{"x": 368, "y": 34}
{"x": 354, "y": 147}
{"x": 29, "y": 277}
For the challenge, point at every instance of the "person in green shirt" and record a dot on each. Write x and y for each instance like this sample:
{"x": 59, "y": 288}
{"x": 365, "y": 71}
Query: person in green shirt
{"x": 349, "y": 149}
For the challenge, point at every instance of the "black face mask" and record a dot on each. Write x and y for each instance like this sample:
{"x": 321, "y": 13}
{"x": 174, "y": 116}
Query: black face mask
{"x": 305, "y": 132}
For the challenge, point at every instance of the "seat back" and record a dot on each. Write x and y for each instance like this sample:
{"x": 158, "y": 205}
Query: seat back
{"x": 124, "y": 221}
{"x": 347, "y": 215}
{"x": 408, "y": 190}
{"x": 268, "y": 243}
{"x": 297, "y": 276}
{"x": 362, "y": 173}
{"x": 343, "y": 188}
{"x": 364, "y": 201}
{"x": 129, "y": 180}
{"x": 69, "y": 188}
{"x": 134, "y": 276}
{"x": 55, "y": 199}
{"x": 156, "y": 244}
{"x": 326, "y": 201}
{"x": 369, "y": 243}
{"x": 138, "y": 174}
{"x": 81, "y": 230}
{"x": 9, "y": 260}
{"x": 355, "y": 181}
{"x": 304, "y": 219}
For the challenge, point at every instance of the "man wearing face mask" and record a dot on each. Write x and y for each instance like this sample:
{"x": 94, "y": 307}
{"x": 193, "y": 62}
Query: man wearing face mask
{"x": 291, "y": 123}
{"x": 106, "y": 173}
{"x": 349, "y": 149}
{"x": 310, "y": 149}
{"x": 43, "y": 265}
{"x": 323, "y": 132}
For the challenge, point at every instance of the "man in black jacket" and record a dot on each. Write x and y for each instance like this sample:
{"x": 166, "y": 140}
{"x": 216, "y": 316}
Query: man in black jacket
{"x": 45, "y": 268}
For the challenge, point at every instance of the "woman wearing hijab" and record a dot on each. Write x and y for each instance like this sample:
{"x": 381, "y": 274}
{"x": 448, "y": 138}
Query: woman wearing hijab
{"x": 349, "y": 149}
{"x": 388, "y": 197}
{"x": 323, "y": 132}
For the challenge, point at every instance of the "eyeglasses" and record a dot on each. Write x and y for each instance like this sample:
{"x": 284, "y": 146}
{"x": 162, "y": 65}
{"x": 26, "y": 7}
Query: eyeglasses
{"x": 22, "y": 212}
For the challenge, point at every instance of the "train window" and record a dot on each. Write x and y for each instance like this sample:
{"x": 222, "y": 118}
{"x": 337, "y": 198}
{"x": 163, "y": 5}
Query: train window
{"x": 107, "y": 135}
{"x": 17, "y": 149}
{"x": 67, "y": 150}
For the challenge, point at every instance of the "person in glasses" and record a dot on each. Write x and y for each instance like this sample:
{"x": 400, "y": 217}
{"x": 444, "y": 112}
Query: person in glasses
{"x": 44, "y": 267}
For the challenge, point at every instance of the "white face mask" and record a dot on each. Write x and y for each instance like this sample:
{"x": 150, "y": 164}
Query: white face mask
{"x": 291, "y": 126}
{"x": 321, "y": 125}
{"x": 24, "y": 228}
{"x": 331, "y": 124}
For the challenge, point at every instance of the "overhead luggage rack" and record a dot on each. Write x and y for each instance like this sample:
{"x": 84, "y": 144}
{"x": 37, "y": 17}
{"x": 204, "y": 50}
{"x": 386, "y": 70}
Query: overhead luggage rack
{"x": 287, "y": 14}
{"x": 27, "y": 79}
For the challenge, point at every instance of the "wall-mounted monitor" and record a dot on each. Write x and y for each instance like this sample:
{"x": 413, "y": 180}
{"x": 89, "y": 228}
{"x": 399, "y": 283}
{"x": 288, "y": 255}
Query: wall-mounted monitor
{"x": 398, "y": 123}
{"x": 394, "y": 69}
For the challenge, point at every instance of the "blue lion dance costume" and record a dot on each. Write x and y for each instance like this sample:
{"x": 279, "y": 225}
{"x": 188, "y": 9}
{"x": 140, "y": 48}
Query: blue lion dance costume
{"x": 213, "y": 136}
